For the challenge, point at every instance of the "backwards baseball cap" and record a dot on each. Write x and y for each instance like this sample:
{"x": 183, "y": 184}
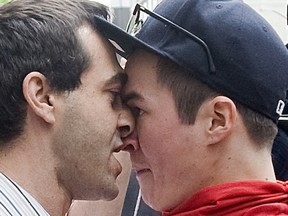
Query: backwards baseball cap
{"x": 223, "y": 43}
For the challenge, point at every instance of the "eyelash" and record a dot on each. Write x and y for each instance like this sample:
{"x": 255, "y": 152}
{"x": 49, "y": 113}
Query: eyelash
{"x": 115, "y": 94}
{"x": 136, "y": 111}
{"x": 116, "y": 97}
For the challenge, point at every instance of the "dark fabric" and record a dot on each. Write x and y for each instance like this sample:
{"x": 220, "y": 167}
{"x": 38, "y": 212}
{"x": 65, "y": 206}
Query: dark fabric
{"x": 249, "y": 69}
{"x": 131, "y": 199}
{"x": 249, "y": 198}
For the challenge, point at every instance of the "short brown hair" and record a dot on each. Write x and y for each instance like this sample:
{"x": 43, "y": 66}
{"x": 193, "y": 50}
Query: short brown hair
{"x": 40, "y": 35}
{"x": 189, "y": 94}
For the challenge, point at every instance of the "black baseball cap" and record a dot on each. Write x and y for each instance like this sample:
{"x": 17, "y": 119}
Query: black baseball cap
{"x": 250, "y": 59}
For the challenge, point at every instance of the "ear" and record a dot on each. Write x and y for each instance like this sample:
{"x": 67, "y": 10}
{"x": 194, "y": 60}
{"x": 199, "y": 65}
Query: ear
{"x": 36, "y": 91}
{"x": 222, "y": 119}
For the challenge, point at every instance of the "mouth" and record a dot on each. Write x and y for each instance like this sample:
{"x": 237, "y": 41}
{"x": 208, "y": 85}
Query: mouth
{"x": 116, "y": 165}
{"x": 140, "y": 172}
{"x": 117, "y": 149}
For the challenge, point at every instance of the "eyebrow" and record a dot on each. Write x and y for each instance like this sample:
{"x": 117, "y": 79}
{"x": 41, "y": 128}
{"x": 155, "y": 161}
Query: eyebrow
{"x": 119, "y": 78}
{"x": 132, "y": 96}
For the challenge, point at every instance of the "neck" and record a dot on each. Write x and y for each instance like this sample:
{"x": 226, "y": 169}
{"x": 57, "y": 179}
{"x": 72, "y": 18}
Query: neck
{"x": 33, "y": 170}
{"x": 243, "y": 161}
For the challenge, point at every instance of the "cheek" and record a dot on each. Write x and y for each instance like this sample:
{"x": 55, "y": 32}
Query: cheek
{"x": 149, "y": 137}
{"x": 156, "y": 144}
{"x": 162, "y": 141}
{"x": 155, "y": 133}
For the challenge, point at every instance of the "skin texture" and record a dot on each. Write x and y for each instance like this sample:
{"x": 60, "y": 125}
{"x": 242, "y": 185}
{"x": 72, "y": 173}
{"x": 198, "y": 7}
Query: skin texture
{"x": 106, "y": 208}
{"x": 70, "y": 139}
{"x": 173, "y": 160}
{"x": 87, "y": 135}
{"x": 159, "y": 162}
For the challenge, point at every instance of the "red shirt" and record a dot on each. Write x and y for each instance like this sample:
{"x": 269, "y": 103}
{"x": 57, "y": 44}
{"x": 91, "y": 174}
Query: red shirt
{"x": 247, "y": 198}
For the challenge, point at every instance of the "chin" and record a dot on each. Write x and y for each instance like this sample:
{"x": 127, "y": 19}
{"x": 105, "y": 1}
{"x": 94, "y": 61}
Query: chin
{"x": 154, "y": 205}
{"x": 110, "y": 193}
{"x": 158, "y": 203}
{"x": 105, "y": 191}
{"x": 158, "y": 206}
{"x": 150, "y": 200}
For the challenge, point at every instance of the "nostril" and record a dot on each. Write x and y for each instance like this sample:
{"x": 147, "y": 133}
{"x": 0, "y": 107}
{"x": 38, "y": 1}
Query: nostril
{"x": 124, "y": 130}
{"x": 130, "y": 140}
{"x": 129, "y": 148}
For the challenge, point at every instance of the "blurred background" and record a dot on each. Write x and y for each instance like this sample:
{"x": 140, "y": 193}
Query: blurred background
{"x": 274, "y": 11}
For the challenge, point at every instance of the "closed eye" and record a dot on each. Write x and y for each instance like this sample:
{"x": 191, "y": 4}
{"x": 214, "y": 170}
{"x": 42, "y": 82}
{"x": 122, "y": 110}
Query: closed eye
{"x": 136, "y": 111}
{"x": 133, "y": 99}
{"x": 116, "y": 98}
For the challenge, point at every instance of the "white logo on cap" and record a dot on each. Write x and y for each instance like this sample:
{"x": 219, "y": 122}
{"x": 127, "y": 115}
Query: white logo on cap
{"x": 280, "y": 107}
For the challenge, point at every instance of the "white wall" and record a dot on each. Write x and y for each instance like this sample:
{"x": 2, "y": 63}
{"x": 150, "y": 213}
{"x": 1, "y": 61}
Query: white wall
{"x": 121, "y": 3}
{"x": 105, "y": 2}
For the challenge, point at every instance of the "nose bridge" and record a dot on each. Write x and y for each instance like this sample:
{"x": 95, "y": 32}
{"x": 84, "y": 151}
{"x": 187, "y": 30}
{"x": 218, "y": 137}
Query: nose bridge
{"x": 126, "y": 127}
{"x": 126, "y": 122}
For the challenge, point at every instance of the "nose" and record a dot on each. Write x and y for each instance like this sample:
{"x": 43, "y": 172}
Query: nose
{"x": 130, "y": 143}
{"x": 127, "y": 131}
{"x": 126, "y": 128}
{"x": 126, "y": 122}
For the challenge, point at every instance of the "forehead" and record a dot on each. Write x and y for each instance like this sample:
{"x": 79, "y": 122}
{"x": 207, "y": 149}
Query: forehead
{"x": 142, "y": 85}
{"x": 142, "y": 57}
{"x": 141, "y": 68}
{"x": 101, "y": 54}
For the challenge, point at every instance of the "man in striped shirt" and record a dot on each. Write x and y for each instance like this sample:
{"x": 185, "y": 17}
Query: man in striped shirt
{"x": 61, "y": 114}
{"x": 14, "y": 200}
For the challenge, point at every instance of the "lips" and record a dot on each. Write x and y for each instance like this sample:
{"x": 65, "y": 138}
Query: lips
{"x": 118, "y": 147}
{"x": 116, "y": 166}
{"x": 141, "y": 171}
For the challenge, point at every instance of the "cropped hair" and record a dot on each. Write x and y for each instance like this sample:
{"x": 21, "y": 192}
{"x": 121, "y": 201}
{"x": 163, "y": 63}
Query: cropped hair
{"x": 190, "y": 93}
{"x": 40, "y": 35}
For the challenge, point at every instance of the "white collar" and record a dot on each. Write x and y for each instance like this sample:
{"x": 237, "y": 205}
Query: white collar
{"x": 14, "y": 200}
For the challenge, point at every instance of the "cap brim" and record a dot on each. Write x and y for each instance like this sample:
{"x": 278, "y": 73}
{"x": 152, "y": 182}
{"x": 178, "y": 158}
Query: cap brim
{"x": 125, "y": 41}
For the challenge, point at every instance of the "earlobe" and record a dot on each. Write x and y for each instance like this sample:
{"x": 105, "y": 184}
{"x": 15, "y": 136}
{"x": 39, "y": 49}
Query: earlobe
{"x": 223, "y": 118}
{"x": 36, "y": 91}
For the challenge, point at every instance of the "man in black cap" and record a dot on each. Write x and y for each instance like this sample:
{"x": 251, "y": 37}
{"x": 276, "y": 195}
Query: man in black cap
{"x": 61, "y": 113}
{"x": 206, "y": 82}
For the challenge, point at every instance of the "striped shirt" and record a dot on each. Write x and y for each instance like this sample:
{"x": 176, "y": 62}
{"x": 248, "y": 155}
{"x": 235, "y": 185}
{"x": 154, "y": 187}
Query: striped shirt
{"x": 15, "y": 201}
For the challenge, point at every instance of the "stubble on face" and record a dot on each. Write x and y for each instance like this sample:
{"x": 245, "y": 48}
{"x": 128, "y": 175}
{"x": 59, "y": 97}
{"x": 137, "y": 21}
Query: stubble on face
{"x": 84, "y": 166}
{"x": 86, "y": 132}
